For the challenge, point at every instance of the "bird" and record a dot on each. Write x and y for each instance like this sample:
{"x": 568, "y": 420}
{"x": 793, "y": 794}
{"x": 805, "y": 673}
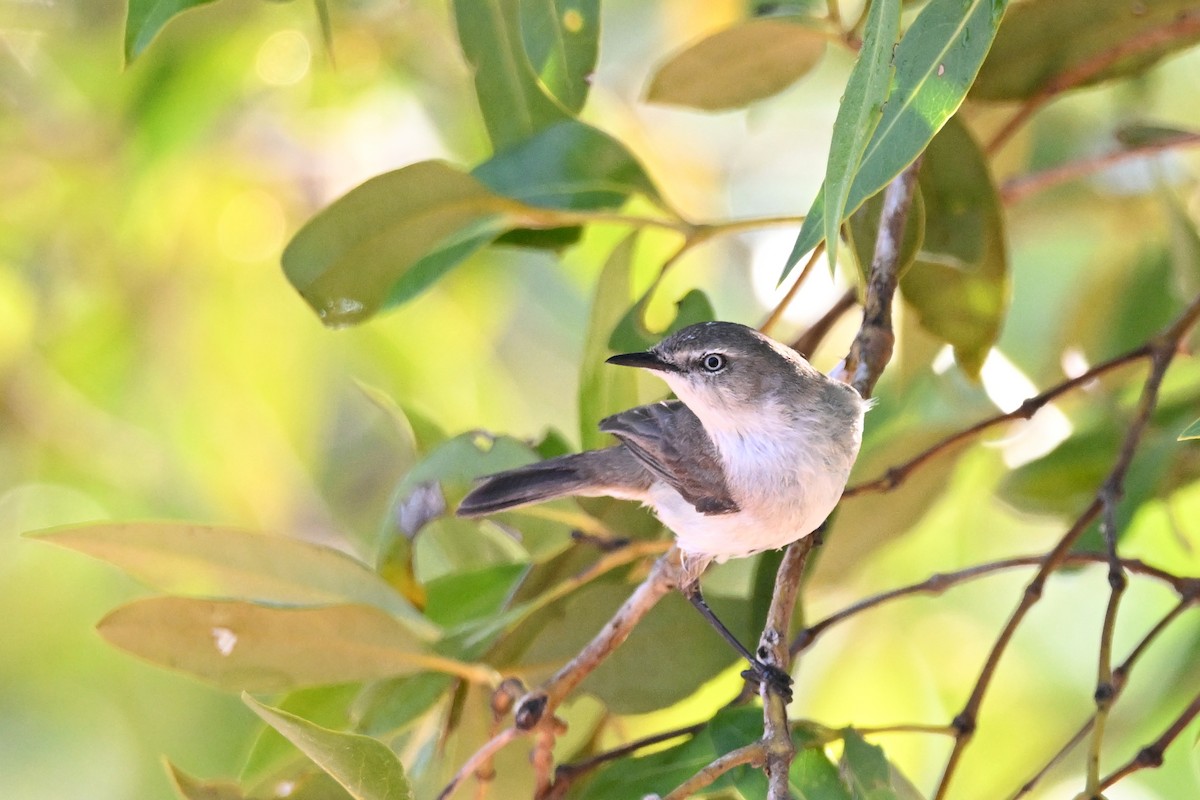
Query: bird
{"x": 752, "y": 455}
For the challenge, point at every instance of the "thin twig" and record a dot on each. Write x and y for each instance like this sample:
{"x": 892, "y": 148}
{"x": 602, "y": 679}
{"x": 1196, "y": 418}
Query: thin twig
{"x": 1105, "y": 694}
{"x": 940, "y": 582}
{"x": 1182, "y": 26}
{"x": 872, "y": 347}
{"x": 479, "y": 758}
{"x": 1014, "y": 190}
{"x": 896, "y": 475}
{"x": 777, "y": 312}
{"x": 777, "y": 741}
{"x": 1163, "y": 349}
{"x": 1151, "y": 756}
{"x": 1188, "y": 597}
{"x": 534, "y": 706}
{"x": 808, "y": 342}
{"x": 753, "y": 754}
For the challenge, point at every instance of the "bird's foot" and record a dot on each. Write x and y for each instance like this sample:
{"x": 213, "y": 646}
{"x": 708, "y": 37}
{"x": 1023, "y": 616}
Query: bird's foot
{"x": 770, "y": 675}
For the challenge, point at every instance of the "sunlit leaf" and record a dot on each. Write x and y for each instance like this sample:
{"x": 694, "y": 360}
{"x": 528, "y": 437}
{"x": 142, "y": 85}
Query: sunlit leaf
{"x": 217, "y": 562}
{"x": 189, "y": 788}
{"x": 1043, "y": 40}
{"x": 959, "y": 283}
{"x": 237, "y": 645}
{"x": 391, "y": 237}
{"x": 508, "y": 88}
{"x": 936, "y": 62}
{"x": 365, "y": 767}
{"x": 1191, "y": 432}
{"x": 604, "y": 389}
{"x": 146, "y": 18}
{"x": 748, "y": 61}
{"x": 562, "y": 39}
{"x": 861, "y": 110}
{"x": 569, "y": 166}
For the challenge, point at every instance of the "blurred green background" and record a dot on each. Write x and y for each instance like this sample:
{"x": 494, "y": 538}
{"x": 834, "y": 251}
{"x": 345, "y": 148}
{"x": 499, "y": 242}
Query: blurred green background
{"x": 154, "y": 362}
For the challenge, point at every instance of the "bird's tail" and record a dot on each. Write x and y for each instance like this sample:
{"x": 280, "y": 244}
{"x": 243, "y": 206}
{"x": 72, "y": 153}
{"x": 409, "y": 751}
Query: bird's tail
{"x": 534, "y": 483}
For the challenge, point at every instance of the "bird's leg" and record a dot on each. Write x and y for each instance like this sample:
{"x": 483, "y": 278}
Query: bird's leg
{"x": 760, "y": 671}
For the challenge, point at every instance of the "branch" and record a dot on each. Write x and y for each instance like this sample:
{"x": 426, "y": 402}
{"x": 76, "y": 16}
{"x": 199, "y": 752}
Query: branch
{"x": 1188, "y": 597}
{"x": 1182, "y": 26}
{"x": 940, "y": 582}
{"x": 1151, "y": 756}
{"x": 537, "y": 704}
{"x": 872, "y": 347}
{"x": 896, "y": 475}
{"x": 777, "y": 741}
{"x": 754, "y": 754}
{"x": 479, "y": 758}
{"x": 1163, "y": 350}
{"x": 1017, "y": 189}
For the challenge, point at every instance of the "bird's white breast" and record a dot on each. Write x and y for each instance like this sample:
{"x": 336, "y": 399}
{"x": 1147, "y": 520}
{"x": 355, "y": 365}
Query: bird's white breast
{"x": 785, "y": 477}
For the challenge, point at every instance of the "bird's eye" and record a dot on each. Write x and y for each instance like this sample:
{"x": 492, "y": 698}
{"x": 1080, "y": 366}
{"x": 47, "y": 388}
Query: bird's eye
{"x": 713, "y": 362}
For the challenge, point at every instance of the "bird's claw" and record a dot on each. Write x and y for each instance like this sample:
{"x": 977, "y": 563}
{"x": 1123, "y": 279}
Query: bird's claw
{"x": 763, "y": 673}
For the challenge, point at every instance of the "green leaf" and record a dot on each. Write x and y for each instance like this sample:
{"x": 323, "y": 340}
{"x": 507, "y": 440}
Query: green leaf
{"x": 509, "y": 90}
{"x": 632, "y": 333}
{"x": 1191, "y": 432}
{"x": 959, "y": 283}
{"x": 865, "y": 769}
{"x": 217, "y": 562}
{"x": 189, "y": 788}
{"x": 936, "y": 62}
{"x": 326, "y": 705}
{"x": 365, "y": 767}
{"x": 146, "y": 18}
{"x": 386, "y": 706}
{"x": 860, "y": 111}
{"x": 391, "y": 237}
{"x": 814, "y": 777}
{"x": 1043, "y": 40}
{"x": 562, "y": 39}
{"x": 660, "y": 772}
{"x": 567, "y": 166}
{"x": 748, "y": 61}
{"x": 604, "y": 389}
{"x": 237, "y": 645}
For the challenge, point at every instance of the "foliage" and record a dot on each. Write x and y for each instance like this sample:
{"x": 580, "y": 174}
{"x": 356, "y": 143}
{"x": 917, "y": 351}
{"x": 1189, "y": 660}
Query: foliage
{"x": 386, "y": 647}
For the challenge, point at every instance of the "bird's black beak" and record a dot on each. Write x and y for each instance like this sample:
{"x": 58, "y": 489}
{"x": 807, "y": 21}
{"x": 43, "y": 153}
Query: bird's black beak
{"x": 646, "y": 360}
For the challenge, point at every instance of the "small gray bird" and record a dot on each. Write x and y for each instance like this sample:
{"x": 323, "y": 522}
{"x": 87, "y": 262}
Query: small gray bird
{"x": 753, "y": 455}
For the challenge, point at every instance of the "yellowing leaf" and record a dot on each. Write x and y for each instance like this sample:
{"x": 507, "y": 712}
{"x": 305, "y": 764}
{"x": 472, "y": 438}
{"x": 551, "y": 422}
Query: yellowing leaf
{"x": 733, "y": 67}
{"x": 237, "y": 645}
{"x": 217, "y": 562}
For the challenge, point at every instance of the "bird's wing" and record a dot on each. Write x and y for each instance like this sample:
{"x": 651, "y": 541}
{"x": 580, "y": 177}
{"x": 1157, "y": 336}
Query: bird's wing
{"x": 653, "y": 433}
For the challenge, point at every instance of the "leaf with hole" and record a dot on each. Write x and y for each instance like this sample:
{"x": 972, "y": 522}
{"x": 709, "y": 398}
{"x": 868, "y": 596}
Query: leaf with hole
{"x": 236, "y": 645}
{"x": 562, "y": 40}
{"x": 365, "y": 767}
{"x": 748, "y": 61}
{"x": 936, "y": 62}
